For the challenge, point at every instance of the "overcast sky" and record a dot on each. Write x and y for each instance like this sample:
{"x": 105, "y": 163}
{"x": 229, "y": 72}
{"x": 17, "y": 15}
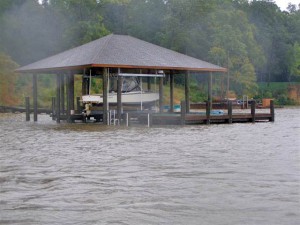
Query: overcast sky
{"x": 284, "y": 3}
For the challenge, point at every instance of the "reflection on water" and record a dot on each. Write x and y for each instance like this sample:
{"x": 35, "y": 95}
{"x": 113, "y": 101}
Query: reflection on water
{"x": 91, "y": 174}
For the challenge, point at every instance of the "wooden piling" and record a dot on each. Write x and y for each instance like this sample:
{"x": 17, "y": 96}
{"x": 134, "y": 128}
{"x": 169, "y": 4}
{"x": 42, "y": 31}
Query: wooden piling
{"x": 210, "y": 90}
{"x": 68, "y": 111}
{"x": 105, "y": 97}
{"x": 119, "y": 97}
{"x": 208, "y": 107}
{"x": 161, "y": 94}
{"x": 229, "y": 112}
{"x": 253, "y": 106}
{"x": 78, "y": 104}
{"x": 171, "y": 91}
{"x": 62, "y": 93}
{"x": 272, "y": 111}
{"x": 53, "y": 108}
{"x": 183, "y": 112}
{"x": 58, "y": 98}
{"x": 27, "y": 105}
{"x": 71, "y": 82}
{"x": 35, "y": 111}
{"x": 187, "y": 91}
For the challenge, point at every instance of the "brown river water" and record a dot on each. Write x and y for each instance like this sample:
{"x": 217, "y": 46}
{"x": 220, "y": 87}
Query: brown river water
{"x": 91, "y": 174}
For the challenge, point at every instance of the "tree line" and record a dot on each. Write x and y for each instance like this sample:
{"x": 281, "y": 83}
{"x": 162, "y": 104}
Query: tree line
{"x": 255, "y": 40}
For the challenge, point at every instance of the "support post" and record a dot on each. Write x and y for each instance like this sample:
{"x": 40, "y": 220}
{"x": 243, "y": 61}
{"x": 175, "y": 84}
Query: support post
{"x": 78, "y": 104}
{"x": 149, "y": 83}
{"x": 253, "y": 106}
{"x": 210, "y": 90}
{"x": 35, "y": 111}
{"x": 67, "y": 77}
{"x": 71, "y": 90}
{"x": 58, "y": 98}
{"x": 27, "y": 105}
{"x": 161, "y": 94}
{"x": 150, "y": 120}
{"x": 183, "y": 112}
{"x": 85, "y": 85}
{"x": 208, "y": 107}
{"x": 105, "y": 97}
{"x": 62, "y": 93}
{"x": 171, "y": 91}
{"x": 127, "y": 119}
{"x": 187, "y": 91}
{"x": 272, "y": 111}
{"x": 53, "y": 108}
{"x": 229, "y": 112}
{"x": 119, "y": 97}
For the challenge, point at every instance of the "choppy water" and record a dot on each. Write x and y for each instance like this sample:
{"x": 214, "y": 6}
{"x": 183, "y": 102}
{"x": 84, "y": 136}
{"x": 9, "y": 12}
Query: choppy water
{"x": 88, "y": 174}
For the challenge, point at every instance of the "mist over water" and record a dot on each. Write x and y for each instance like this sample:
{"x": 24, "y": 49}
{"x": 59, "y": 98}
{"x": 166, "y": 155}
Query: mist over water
{"x": 90, "y": 174}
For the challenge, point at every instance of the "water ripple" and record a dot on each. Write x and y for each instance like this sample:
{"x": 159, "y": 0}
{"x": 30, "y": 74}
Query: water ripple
{"x": 90, "y": 174}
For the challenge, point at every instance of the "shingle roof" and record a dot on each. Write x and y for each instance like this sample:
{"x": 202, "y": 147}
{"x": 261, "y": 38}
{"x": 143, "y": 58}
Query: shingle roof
{"x": 120, "y": 51}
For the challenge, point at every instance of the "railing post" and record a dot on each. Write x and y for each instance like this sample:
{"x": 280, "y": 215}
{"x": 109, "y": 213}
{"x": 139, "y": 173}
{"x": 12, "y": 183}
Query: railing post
{"x": 272, "y": 111}
{"x": 253, "y": 106}
{"x": 27, "y": 105}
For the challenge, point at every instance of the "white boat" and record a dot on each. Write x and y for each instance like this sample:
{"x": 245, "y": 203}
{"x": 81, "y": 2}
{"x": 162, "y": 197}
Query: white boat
{"x": 132, "y": 94}
{"x": 128, "y": 98}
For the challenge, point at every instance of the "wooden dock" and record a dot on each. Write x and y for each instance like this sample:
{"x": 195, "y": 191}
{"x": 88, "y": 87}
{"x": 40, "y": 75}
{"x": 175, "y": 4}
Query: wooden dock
{"x": 151, "y": 118}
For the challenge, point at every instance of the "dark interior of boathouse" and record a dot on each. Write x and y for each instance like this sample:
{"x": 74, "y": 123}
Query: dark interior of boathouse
{"x": 116, "y": 57}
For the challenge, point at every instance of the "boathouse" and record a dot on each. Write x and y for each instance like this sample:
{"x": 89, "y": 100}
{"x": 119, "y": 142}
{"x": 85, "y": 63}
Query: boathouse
{"x": 115, "y": 56}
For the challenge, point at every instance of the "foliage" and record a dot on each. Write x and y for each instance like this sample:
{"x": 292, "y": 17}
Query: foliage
{"x": 255, "y": 40}
{"x": 294, "y": 61}
{"x": 7, "y": 80}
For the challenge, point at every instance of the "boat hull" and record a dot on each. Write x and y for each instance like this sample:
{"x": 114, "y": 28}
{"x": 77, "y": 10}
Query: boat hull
{"x": 130, "y": 98}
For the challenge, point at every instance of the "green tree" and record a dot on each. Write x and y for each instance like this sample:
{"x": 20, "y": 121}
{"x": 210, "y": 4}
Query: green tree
{"x": 7, "y": 80}
{"x": 294, "y": 62}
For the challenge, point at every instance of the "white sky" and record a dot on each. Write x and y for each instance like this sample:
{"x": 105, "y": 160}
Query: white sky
{"x": 284, "y": 3}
